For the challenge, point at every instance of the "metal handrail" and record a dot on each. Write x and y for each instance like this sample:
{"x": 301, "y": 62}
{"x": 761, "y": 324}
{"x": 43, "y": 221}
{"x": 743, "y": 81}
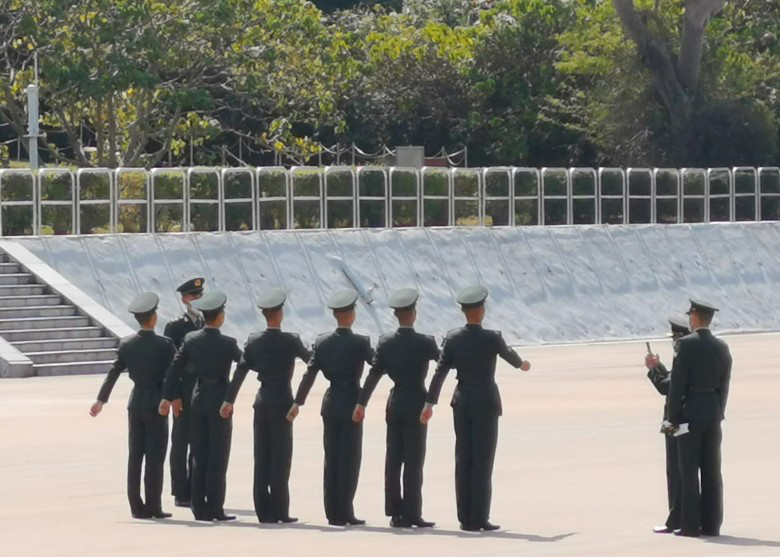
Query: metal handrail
{"x": 760, "y": 199}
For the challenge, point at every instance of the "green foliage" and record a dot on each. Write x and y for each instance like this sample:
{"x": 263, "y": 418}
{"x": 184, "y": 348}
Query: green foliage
{"x": 614, "y": 103}
{"x": 520, "y": 82}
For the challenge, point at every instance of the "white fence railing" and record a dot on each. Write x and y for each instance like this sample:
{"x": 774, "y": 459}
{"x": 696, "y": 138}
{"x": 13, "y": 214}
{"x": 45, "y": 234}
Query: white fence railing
{"x": 98, "y": 200}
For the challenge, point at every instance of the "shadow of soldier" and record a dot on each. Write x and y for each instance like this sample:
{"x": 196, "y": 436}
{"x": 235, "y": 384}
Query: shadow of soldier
{"x": 741, "y": 541}
{"x": 304, "y": 526}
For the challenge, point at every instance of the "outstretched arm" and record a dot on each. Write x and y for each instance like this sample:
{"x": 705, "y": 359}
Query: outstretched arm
{"x": 510, "y": 356}
{"x": 108, "y": 385}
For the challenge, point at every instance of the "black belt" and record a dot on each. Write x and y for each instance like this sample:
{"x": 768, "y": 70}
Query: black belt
{"x": 701, "y": 390}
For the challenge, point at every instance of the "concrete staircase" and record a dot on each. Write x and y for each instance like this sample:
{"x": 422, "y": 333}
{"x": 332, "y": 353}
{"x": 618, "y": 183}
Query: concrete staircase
{"x": 50, "y": 331}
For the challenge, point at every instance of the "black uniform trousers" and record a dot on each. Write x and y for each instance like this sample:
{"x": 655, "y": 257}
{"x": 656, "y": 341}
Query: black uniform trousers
{"x": 699, "y": 450}
{"x": 405, "y": 449}
{"x": 273, "y": 459}
{"x": 181, "y": 439}
{"x": 343, "y": 440}
{"x": 476, "y": 434}
{"x": 211, "y": 436}
{"x": 147, "y": 443}
{"x": 673, "y": 484}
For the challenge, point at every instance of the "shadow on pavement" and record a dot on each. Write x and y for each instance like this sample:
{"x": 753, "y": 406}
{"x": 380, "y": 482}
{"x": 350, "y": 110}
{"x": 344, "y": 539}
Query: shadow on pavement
{"x": 501, "y": 534}
{"x": 742, "y": 542}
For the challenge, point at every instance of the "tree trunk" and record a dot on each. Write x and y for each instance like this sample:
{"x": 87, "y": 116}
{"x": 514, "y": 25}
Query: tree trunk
{"x": 697, "y": 15}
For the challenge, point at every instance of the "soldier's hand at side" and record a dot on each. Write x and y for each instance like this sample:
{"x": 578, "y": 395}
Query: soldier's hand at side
{"x": 164, "y": 408}
{"x": 95, "y": 409}
{"x": 293, "y": 413}
{"x": 359, "y": 414}
{"x": 526, "y": 365}
{"x": 226, "y": 410}
{"x": 426, "y": 414}
{"x": 177, "y": 407}
{"x": 652, "y": 360}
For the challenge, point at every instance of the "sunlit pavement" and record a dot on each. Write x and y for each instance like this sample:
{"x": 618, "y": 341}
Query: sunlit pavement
{"x": 579, "y": 469}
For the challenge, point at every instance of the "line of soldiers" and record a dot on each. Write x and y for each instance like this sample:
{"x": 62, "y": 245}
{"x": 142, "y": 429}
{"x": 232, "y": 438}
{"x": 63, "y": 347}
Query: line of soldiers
{"x": 696, "y": 392}
{"x": 187, "y": 371}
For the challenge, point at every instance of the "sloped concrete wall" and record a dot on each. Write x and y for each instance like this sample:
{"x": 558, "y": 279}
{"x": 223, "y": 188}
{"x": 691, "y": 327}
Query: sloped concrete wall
{"x": 547, "y": 285}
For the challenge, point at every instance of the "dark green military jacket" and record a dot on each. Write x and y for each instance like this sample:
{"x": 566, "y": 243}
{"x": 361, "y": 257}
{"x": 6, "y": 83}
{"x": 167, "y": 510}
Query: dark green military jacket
{"x": 473, "y": 351}
{"x": 340, "y": 356}
{"x": 177, "y": 329}
{"x": 210, "y": 354}
{"x": 404, "y": 355}
{"x": 701, "y": 374}
{"x": 146, "y": 356}
{"x": 271, "y": 354}
{"x": 661, "y": 379}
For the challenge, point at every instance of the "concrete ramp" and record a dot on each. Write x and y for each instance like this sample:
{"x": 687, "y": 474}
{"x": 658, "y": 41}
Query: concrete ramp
{"x": 547, "y": 284}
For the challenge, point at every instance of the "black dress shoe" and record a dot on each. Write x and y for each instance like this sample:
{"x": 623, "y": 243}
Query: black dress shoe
{"x": 662, "y": 530}
{"x": 469, "y": 528}
{"x": 203, "y": 517}
{"x": 488, "y": 527}
{"x": 224, "y": 517}
{"x": 288, "y": 519}
{"x": 399, "y": 522}
{"x": 159, "y": 514}
{"x": 420, "y": 523}
{"x": 353, "y": 521}
{"x": 686, "y": 534}
{"x": 337, "y": 522}
{"x": 181, "y": 503}
{"x": 140, "y": 515}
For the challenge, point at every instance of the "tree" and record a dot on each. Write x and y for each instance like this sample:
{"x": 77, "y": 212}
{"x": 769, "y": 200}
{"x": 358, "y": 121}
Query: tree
{"x": 675, "y": 82}
{"x": 680, "y": 112}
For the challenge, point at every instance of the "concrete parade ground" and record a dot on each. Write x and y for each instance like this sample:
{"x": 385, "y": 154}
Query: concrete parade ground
{"x": 579, "y": 469}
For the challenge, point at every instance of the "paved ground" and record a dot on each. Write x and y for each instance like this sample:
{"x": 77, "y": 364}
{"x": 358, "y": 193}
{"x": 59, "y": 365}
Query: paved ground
{"x": 579, "y": 469}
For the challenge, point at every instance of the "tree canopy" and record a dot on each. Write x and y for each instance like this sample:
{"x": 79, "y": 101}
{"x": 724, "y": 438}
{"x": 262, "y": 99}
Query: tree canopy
{"x": 518, "y": 82}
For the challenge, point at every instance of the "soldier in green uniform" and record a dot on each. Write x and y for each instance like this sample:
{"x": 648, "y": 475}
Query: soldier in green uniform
{"x": 661, "y": 378}
{"x": 211, "y": 355}
{"x": 271, "y": 354}
{"x": 698, "y": 392}
{"x": 340, "y": 356}
{"x": 404, "y": 355}
{"x": 146, "y": 357}
{"x": 476, "y": 405}
{"x": 181, "y": 455}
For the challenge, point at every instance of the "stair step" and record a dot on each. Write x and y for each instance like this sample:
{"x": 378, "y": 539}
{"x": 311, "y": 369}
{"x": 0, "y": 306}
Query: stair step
{"x": 65, "y": 344}
{"x": 43, "y": 322}
{"x": 26, "y": 334}
{"x": 72, "y": 368}
{"x": 64, "y": 356}
{"x": 36, "y": 311}
{"x": 17, "y": 278}
{"x": 35, "y": 300}
{"x": 8, "y": 268}
{"x": 7, "y": 290}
